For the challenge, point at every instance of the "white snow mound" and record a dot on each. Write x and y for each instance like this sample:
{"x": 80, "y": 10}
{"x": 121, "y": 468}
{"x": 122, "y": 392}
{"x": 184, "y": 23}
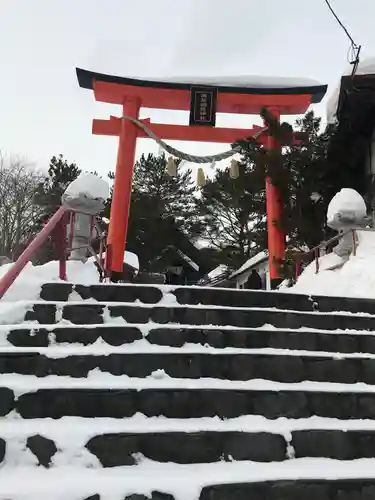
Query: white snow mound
{"x": 356, "y": 278}
{"x": 130, "y": 258}
{"x": 89, "y": 185}
{"x": 28, "y": 284}
{"x": 347, "y": 202}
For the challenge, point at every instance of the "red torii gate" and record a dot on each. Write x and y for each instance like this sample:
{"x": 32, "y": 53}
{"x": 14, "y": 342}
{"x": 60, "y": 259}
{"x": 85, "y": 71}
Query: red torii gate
{"x": 203, "y": 101}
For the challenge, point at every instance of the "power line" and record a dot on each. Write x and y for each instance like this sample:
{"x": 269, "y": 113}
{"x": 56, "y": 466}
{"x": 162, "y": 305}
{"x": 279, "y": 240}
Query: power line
{"x": 354, "y": 48}
{"x": 341, "y": 24}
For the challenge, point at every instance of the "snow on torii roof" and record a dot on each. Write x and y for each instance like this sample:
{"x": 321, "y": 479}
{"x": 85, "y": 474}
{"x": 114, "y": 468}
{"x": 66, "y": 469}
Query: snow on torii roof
{"x": 245, "y": 84}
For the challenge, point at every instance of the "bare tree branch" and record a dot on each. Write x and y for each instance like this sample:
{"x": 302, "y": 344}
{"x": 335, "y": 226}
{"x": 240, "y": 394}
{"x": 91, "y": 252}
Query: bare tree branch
{"x": 18, "y": 211}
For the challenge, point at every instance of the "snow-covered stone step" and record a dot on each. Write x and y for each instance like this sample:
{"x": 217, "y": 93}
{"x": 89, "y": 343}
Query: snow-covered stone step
{"x": 335, "y": 341}
{"x": 100, "y": 348}
{"x": 203, "y": 295}
{"x": 120, "y": 397}
{"x": 184, "y": 365}
{"x": 160, "y": 381}
{"x": 109, "y": 445}
{"x": 345, "y": 489}
{"x": 79, "y": 429}
{"x": 313, "y": 479}
{"x": 86, "y": 313}
{"x": 119, "y": 449}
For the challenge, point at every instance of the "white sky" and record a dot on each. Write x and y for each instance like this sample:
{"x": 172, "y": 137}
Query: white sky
{"x": 43, "y": 112}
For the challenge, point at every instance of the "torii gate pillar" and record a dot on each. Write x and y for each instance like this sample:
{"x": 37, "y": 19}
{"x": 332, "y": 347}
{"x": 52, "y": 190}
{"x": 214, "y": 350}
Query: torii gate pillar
{"x": 121, "y": 198}
{"x": 274, "y": 208}
{"x": 203, "y": 101}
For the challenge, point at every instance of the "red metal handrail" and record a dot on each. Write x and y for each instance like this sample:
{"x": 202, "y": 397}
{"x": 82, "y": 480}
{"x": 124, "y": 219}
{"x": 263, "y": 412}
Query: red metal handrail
{"x": 60, "y": 217}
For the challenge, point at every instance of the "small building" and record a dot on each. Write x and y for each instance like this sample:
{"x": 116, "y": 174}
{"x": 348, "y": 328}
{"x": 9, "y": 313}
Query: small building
{"x": 221, "y": 276}
{"x": 259, "y": 263}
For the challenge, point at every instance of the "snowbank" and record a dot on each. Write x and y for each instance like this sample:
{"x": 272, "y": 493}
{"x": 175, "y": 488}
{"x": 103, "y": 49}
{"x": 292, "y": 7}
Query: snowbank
{"x": 29, "y": 283}
{"x": 356, "y": 278}
{"x": 130, "y": 258}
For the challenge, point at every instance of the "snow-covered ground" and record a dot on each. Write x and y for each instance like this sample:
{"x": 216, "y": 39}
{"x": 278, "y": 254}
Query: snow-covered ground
{"x": 29, "y": 283}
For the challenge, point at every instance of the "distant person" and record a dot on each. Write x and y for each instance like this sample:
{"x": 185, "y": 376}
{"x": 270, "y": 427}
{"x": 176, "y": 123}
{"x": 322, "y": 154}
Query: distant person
{"x": 254, "y": 281}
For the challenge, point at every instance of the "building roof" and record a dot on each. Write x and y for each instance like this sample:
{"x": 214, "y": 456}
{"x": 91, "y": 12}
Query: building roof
{"x": 355, "y": 115}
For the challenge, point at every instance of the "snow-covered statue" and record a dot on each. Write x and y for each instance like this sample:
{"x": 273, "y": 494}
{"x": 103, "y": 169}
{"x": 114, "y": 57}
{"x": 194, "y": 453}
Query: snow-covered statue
{"x": 347, "y": 210}
{"x": 86, "y": 196}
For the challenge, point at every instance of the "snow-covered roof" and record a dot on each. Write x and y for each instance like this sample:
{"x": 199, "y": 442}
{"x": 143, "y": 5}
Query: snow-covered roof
{"x": 187, "y": 259}
{"x": 218, "y": 271}
{"x": 200, "y": 243}
{"x": 365, "y": 67}
{"x": 250, "y": 263}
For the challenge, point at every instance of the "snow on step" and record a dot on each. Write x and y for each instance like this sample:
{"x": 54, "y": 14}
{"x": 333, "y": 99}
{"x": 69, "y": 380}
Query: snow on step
{"x": 145, "y": 328}
{"x": 144, "y": 347}
{"x": 27, "y": 305}
{"x": 22, "y": 384}
{"x": 82, "y": 429}
{"x": 184, "y": 482}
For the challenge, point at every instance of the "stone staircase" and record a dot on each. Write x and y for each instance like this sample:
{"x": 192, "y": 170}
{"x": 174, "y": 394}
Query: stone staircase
{"x": 122, "y": 391}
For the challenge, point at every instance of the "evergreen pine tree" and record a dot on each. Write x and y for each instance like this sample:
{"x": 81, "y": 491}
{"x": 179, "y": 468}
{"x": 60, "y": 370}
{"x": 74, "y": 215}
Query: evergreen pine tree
{"x": 307, "y": 182}
{"x": 48, "y": 196}
{"x": 60, "y": 175}
{"x": 156, "y": 199}
{"x": 233, "y": 210}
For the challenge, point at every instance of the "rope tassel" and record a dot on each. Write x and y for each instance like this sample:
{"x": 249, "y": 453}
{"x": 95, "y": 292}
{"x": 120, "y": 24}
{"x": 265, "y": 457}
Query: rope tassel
{"x": 171, "y": 167}
{"x": 201, "y": 178}
{"x": 234, "y": 171}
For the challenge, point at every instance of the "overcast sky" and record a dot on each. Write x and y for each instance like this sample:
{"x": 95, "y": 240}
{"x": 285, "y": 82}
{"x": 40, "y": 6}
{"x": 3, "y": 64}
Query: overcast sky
{"x": 43, "y": 112}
